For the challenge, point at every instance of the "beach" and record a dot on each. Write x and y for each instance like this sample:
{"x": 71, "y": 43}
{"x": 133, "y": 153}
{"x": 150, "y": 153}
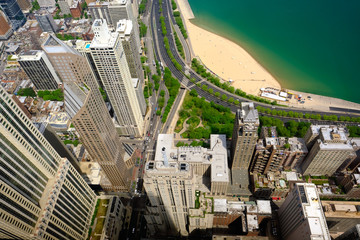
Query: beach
{"x": 225, "y": 58}
{"x": 230, "y": 61}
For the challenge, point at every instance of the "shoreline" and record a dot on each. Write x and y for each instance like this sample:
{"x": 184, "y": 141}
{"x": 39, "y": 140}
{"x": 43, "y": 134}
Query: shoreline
{"x": 233, "y": 62}
{"x": 228, "y": 60}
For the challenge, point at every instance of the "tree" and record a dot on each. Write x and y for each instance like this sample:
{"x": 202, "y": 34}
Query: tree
{"x": 236, "y": 102}
{"x": 143, "y": 29}
{"x": 210, "y": 90}
{"x": 35, "y": 5}
{"x": 193, "y": 93}
{"x": 223, "y": 97}
{"x": 162, "y": 93}
{"x": 231, "y": 100}
{"x": 28, "y": 92}
{"x": 158, "y": 112}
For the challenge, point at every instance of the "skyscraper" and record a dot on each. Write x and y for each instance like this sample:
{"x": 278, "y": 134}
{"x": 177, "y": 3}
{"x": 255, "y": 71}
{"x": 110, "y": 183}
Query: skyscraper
{"x": 84, "y": 104}
{"x": 330, "y": 149}
{"x": 110, "y": 61}
{"x": 301, "y": 215}
{"x": 174, "y": 179}
{"x": 128, "y": 39}
{"x": 25, "y": 5}
{"x": 113, "y": 11}
{"x": 14, "y": 13}
{"x": 39, "y": 69}
{"x": 46, "y": 21}
{"x": 41, "y": 194}
{"x": 242, "y": 147}
{"x": 5, "y": 28}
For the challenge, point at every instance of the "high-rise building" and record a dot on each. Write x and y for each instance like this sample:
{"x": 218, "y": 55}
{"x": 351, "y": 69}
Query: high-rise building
{"x": 25, "y": 5}
{"x": 83, "y": 47}
{"x": 65, "y": 6}
{"x": 328, "y": 153}
{"x": 131, "y": 49}
{"x": 49, "y": 133}
{"x": 84, "y": 104}
{"x": 42, "y": 196}
{"x": 274, "y": 154}
{"x": 301, "y": 215}
{"x": 242, "y": 147}
{"x": 100, "y": 10}
{"x": 14, "y": 13}
{"x": 39, "y": 69}
{"x": 5, "y": 27}
{"x": 173, "y": 181}
{"x": 341, "y": 215}
{"x": 114, "y": 11}
{"x": 351, "y": 234}
{"x": 110, "y": 61}
{"x": 46, "y": 21}
{"x": 47, "y": 3}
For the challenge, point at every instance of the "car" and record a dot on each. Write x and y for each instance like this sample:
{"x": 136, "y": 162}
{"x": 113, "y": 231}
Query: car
{"x": 133, "y": 230}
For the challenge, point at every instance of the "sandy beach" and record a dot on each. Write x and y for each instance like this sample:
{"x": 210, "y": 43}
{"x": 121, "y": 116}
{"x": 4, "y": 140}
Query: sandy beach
{"x": 225, "y": 58}
{"x": 230, "y": 61}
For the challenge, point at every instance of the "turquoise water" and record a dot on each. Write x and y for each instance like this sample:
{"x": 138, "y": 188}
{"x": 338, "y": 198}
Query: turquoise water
{"x": 307, "y": 45}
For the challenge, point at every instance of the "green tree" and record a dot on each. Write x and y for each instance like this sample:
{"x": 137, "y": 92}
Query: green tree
{"x": 28, "y": 92}
{"x": 162, "y": 93}
{"x": 35, "y": 5}
{"x": 193, "y": 93}
{"x": 217, "y": 94}
{"x": 143, "y": 29}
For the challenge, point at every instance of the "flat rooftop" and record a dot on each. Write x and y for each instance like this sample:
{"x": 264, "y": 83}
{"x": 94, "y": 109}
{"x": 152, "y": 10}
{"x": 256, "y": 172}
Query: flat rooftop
{"x": 313, "y": 210}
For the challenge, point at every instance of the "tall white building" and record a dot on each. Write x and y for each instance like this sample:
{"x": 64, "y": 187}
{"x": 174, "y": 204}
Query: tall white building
{"x": 173, "y": 178}
{"x": 42, "y": 196}
{"x": 128, "y": 39}
{"x": 301, "y": 215}
{"x": 110, "y": 60}
{"x": 113, "y": 11}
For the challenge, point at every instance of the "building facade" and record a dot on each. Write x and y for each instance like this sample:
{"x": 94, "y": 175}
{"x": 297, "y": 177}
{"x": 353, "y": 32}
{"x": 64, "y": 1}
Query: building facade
{"x": 13, "y": 11}
{"x": 25, "y": 5}
{"x": 110, "y": 61}
{"x": 174, "y": 183}
{"x": 301, "y": 215}
{"x": 114, "y": 11}
{"x": 39, "y": 69}
{"x": 42, "y": 196}
{"x": 46, "y": 21}
{"x": 84, "y": 104}
{"x": 132, "y": 53}
{"x": 64, "y": 6}
{"x": 329, "y": 151}
{"x": 243, "y": 143}
{"x": 341, "y": 216}
{"x": 5, "y": 26}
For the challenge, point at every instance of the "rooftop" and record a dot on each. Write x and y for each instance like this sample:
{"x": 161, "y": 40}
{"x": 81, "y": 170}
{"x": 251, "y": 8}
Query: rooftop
{"x": 249, "y": 113}
{"x": 179, "y": 158}
{"x": 313, "y": 210}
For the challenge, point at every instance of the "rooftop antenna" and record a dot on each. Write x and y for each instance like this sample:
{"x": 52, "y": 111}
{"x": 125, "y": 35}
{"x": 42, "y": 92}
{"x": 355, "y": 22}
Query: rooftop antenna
{"x": 166, "y": 162}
